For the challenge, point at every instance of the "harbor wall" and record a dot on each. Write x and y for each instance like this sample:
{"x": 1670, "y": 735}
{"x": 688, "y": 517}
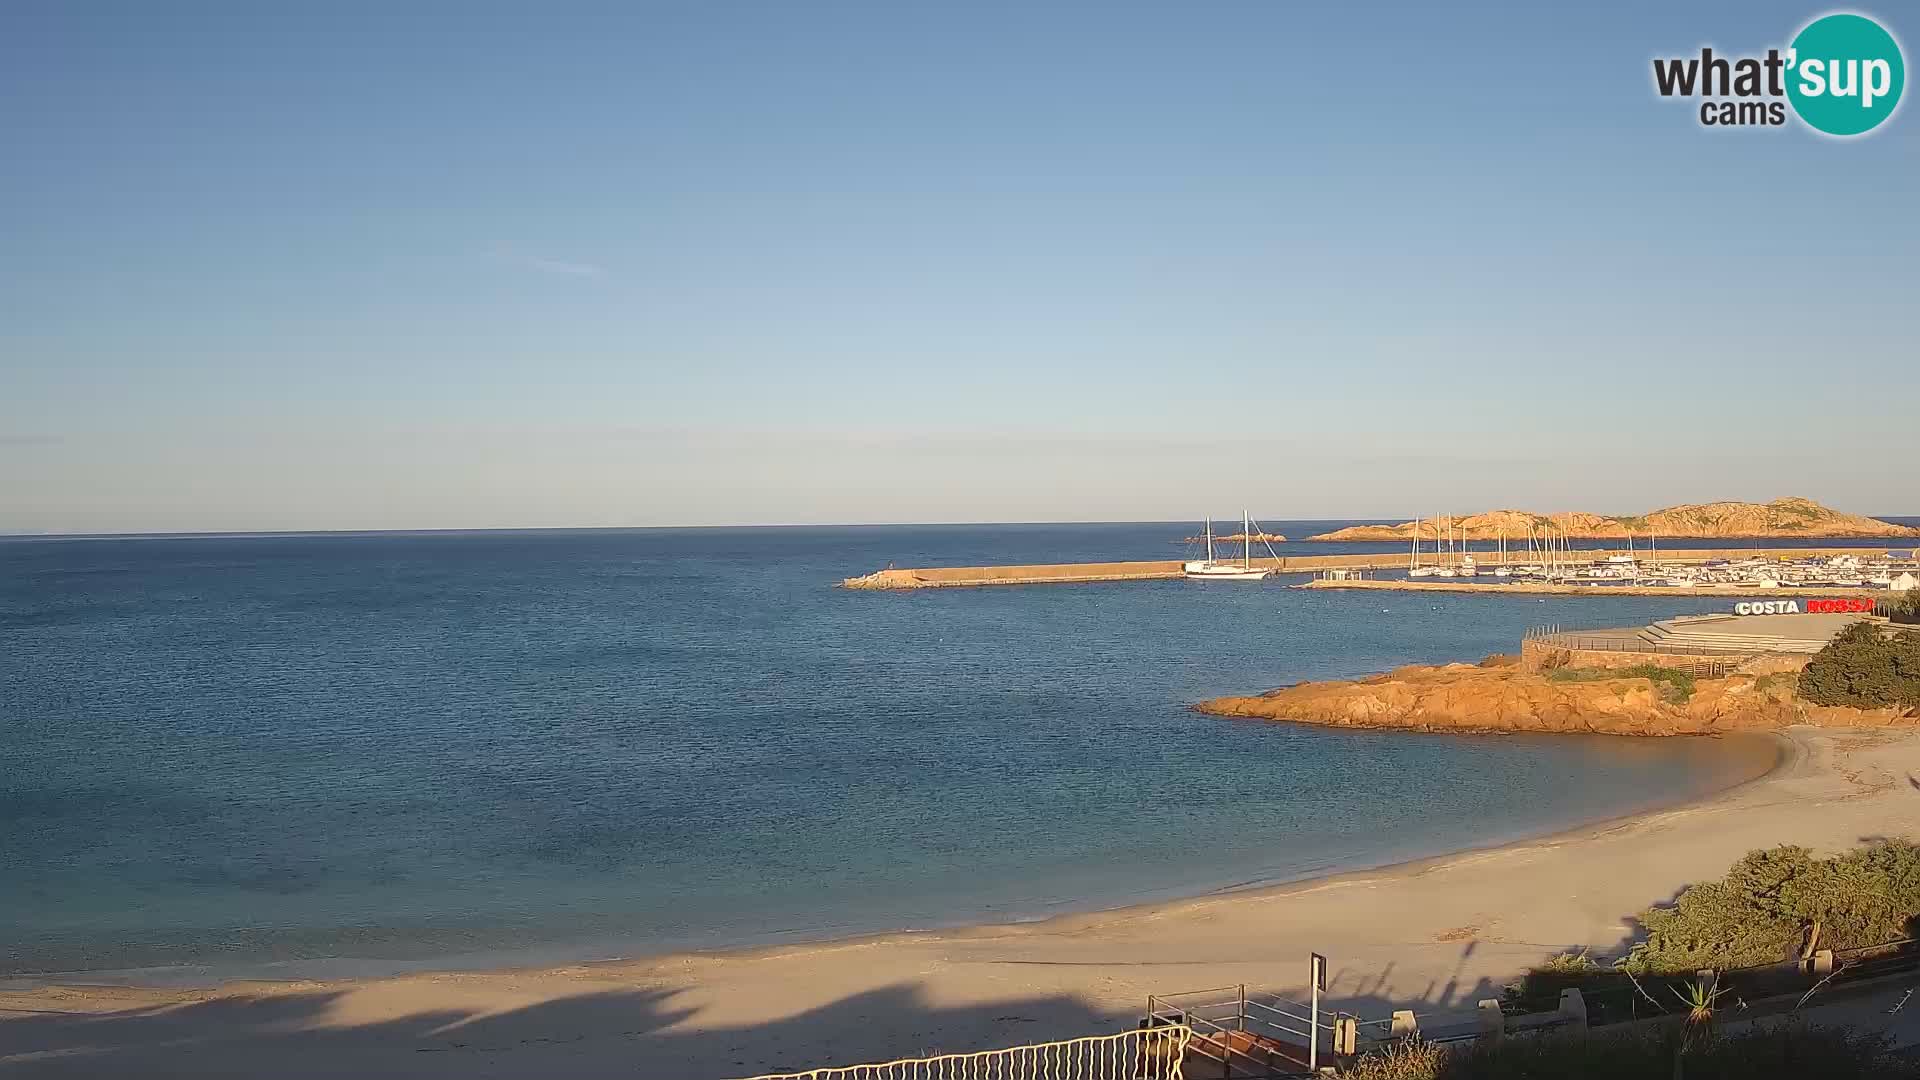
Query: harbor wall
{"x": 1160, "y": 569}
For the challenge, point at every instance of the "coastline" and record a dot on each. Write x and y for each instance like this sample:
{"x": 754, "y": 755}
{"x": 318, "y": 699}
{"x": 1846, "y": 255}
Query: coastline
{"x": 195, "y": 978}
{"x": 736, "y": 1012}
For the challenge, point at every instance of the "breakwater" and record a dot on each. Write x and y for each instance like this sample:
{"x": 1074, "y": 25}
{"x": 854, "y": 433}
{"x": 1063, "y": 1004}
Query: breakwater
{"x": 1163, "y": 569}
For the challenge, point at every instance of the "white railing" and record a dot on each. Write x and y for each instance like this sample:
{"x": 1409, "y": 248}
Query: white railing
{"x": 1146, "y": 1053}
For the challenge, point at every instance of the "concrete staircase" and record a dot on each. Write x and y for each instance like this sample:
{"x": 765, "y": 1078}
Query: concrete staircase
{"x": 1736, "y": 634}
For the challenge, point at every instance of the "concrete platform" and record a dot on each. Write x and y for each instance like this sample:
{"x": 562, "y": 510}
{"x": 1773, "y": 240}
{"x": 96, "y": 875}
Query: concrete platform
{"x": 1748, "y": 634}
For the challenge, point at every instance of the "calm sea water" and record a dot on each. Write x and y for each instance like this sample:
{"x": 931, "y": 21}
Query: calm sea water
{"x": 276, "y": 754}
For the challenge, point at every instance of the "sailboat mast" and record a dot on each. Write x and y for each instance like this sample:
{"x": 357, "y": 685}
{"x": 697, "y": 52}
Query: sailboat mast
{"x": 1209, "y": 537}
{"x": 1246, "y": 539}
{"x": 1413, "y": 556}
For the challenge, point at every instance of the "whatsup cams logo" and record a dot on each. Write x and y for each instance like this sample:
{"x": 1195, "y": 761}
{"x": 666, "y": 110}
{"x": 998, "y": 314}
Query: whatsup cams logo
{"x": 1841, "y": 75}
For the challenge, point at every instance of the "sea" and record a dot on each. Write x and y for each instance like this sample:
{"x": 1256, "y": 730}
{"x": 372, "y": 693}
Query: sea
{"x": 353, "y": 753}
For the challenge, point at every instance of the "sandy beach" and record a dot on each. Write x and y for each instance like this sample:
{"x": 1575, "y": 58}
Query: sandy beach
{"x": 1434, "y": 936}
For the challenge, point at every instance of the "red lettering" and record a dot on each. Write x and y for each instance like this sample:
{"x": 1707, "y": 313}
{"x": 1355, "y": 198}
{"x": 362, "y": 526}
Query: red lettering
{"x": 1851, "y": 603}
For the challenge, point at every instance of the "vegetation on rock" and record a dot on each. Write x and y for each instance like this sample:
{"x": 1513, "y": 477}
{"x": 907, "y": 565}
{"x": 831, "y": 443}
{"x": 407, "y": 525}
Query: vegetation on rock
{"x": 1676, "y": 686}
{"x": 1865, "y": 668}
{"x": 1495, "y": 697}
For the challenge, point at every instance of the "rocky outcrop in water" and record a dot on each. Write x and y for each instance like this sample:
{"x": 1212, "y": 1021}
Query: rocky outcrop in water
{"x": 1500, "y": 696}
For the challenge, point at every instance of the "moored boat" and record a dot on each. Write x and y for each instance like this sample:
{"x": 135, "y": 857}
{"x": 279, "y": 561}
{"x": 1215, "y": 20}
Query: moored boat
{"x": 1212, "y": 569}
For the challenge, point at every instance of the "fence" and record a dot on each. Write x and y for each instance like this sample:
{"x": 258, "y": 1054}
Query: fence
{"x": 1610, "y": 996}
{"x": 1146, "y": 1053}
{"x": 1237, "y": 1034}
{"x": 1707, "y": 661}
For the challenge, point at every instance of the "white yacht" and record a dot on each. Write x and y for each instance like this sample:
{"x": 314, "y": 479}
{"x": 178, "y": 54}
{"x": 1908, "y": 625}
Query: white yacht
{"x": 1416, "y": 568}
{"x": 1212, "y": 569}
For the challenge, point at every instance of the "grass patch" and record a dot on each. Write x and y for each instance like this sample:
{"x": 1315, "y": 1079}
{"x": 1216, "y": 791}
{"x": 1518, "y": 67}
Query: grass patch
{"x": 1675, "y": 686}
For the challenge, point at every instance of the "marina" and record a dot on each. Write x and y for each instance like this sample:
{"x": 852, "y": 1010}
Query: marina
{"x": 1544, "y": 568}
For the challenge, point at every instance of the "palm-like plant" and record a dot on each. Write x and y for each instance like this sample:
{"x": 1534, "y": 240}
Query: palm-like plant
{"x": 1699, "y": 997}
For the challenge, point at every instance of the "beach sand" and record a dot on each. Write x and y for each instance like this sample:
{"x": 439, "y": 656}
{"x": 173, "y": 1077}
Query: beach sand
{"x": 1434, "y": 936}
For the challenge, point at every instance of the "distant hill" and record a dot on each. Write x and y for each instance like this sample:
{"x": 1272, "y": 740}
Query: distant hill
{"x": 1236, "y": 538}
{"x": 1781, "y": 517}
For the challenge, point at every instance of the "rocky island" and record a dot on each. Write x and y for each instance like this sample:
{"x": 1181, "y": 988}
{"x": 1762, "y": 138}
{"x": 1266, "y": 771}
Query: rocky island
{"x": 1499, "y": 695}
{"x": 1238, "y": 538}
{"x": 1791, "y": 517}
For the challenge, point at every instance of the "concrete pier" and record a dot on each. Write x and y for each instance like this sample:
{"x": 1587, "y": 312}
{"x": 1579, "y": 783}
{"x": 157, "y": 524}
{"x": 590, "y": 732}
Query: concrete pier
{"x": 1163, "y": 569}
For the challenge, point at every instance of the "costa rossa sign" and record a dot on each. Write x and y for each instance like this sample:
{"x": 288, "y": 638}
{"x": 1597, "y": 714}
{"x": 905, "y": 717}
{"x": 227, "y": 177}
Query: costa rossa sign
{"x": 1814, "y": 607}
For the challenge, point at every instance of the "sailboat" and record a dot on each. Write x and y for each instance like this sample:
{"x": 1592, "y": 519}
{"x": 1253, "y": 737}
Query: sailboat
{"x": 1212, "y": 569}
{"x": 1416, "y": 568}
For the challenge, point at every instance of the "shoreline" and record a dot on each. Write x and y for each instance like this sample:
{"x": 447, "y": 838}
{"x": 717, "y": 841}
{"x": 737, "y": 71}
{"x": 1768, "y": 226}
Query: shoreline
{"x": 874, "y": 996}
{"x": 350, "y": 969}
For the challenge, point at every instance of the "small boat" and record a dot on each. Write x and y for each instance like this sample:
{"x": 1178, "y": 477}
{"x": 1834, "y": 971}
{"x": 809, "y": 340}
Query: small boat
{"x": 1212, "y": 569}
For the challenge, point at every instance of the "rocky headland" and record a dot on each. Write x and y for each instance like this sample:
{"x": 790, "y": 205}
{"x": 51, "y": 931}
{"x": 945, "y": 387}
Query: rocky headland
{"x": 1779, "y": 518}
{"x": 1238, "y": 538}
{"x": 1499, "y": 695}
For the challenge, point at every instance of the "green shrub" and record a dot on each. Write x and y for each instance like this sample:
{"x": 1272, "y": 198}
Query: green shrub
{"x": 1907, "y": 608}
{"x": 1763, "y": 910}
{"x": 1675, "y": 686}
{"x": 1865, "y": 668}
{"x": 1763, "y": 1052}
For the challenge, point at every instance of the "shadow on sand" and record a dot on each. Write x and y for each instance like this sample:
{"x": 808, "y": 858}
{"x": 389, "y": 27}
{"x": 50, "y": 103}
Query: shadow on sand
{"x": 614, "y": 1033}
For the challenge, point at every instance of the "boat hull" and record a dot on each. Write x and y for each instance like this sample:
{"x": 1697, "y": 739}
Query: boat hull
{"x": 1217, "y": 572}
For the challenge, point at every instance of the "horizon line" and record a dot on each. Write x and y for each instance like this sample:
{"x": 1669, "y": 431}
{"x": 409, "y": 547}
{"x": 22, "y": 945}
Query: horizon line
{"x": 236, "y": 534}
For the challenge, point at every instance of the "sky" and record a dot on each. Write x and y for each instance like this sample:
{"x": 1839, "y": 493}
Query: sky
{"x": 340, "y": 267}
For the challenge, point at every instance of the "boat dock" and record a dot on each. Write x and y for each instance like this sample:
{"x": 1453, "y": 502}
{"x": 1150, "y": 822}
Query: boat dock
{"x": 1168, "y": 569}
{"x": 1554, "y": 588}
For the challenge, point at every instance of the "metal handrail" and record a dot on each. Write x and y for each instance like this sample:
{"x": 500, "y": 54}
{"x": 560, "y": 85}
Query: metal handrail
{"x": 1305, "y": 1033}
{"x": 1227, "y": 1050}
{"x": 1191, "y": 993}
{"x": 1283, "y": 1000}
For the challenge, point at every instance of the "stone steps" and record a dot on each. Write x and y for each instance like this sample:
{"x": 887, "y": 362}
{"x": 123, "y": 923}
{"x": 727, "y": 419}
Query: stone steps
{"x": 1716, "y": 634}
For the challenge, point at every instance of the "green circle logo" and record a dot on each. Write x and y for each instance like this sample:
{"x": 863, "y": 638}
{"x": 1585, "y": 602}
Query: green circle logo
{"x": 1845, "y": 74}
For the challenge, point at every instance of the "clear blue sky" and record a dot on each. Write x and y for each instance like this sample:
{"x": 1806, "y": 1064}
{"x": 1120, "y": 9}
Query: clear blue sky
{"x": 764, "y": 262}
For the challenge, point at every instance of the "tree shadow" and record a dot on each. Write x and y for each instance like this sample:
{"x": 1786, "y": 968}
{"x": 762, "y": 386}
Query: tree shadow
{"x": 624, "y": 1033}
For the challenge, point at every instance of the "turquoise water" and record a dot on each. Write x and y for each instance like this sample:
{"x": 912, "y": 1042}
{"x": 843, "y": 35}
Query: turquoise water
{"x": 277, "y": 754}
